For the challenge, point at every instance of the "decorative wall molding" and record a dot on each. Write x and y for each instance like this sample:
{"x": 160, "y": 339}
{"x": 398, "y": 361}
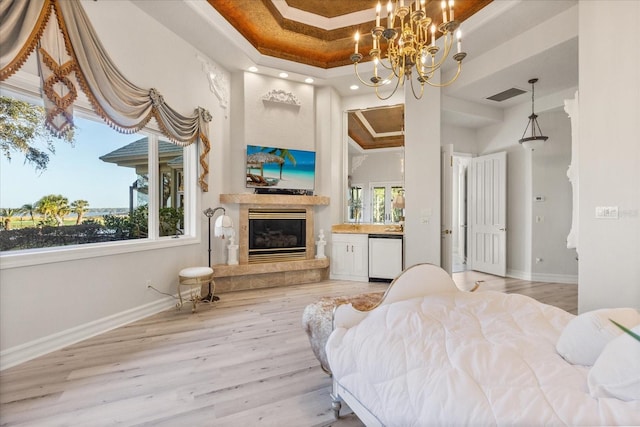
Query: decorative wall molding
{"x": 571, "y": 107}
{"x": 357, "y": 161}
{"x": 218, "y": 82}
{"x": 282, "y": 97}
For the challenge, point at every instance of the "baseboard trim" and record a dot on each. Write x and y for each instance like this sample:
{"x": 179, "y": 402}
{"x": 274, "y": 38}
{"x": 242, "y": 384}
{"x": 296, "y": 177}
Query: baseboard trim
{"x": 518, "y": 274}
{"x": 556, "y": 278}
{"x": 542, "y": 277}
{"x": 24, "y": 352}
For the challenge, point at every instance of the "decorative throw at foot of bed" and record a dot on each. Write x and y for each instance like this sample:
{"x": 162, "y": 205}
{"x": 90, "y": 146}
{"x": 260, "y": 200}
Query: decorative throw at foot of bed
{"x": 430, "y": 354}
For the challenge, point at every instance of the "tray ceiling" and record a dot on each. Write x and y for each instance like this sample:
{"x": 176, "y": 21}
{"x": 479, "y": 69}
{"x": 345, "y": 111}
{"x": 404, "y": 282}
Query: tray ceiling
{"x": 316, "y": 32}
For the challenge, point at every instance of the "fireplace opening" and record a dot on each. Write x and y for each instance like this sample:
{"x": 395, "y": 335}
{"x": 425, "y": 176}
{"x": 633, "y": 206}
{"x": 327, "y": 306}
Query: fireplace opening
{"x": 277, "y": 235}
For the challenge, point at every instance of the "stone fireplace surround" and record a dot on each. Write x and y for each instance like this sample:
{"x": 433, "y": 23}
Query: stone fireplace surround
{"x": 262, "y": 275}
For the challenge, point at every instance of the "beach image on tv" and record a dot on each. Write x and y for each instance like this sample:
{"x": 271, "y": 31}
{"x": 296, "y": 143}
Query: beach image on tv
{"x": 282, "y": 168}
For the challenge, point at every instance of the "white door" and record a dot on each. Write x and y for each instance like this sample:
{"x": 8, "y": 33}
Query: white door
{"x": 446, "y": 211}
{"x": 488, "y": 213}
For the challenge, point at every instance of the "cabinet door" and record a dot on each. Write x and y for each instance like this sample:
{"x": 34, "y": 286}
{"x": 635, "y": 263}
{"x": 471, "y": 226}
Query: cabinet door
{"x": 360, "y": 258}
{"x": 340, "y": 258}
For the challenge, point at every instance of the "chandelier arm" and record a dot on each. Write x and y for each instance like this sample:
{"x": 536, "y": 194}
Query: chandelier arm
{"x": 447, "y": 49}
{"x": 388, "y": 67}
{"x": 453, "y": 79}
{"x": 525, "y": 130}
{"x": 414, "y": 92}
{"x": 364, "y": 82}
{"x": 540, "y": 134}
{"x": 384, "y": 98}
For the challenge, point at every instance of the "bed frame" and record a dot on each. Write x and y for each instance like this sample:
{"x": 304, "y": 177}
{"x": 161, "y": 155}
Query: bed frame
{"x": 416, "y": 281}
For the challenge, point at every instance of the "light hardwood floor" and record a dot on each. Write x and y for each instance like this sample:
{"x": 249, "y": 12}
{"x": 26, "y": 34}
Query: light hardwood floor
{"x": 243, "y": 361}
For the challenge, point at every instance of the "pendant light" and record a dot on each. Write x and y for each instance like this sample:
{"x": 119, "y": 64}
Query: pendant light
{"x": 536, "y": 140}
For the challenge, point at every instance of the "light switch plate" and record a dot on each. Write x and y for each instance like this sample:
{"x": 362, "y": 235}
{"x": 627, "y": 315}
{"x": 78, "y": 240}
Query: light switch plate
{"x": 607, "y": 212}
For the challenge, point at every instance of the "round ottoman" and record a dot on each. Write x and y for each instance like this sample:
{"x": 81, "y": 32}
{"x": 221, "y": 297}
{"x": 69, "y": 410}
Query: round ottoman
{"x": 194, "y": 278}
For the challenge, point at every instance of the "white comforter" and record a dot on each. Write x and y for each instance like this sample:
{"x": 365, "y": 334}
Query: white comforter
{"x": 484, "y": 358}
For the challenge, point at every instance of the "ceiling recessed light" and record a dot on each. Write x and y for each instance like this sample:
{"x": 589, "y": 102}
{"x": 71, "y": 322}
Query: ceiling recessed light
{"x": 354, "y": 87}
{"x": 253, "y": 69}
{"x": 308, "y": 80}
{"x": 283, "y": 75}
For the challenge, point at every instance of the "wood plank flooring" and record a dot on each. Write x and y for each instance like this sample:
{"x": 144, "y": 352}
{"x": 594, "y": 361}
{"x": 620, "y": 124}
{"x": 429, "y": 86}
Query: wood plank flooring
{"x": 243, "y": 361}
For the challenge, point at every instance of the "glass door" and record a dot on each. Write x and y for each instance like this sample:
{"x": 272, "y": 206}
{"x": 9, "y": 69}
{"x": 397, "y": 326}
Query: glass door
{"x": 354, "y": 209}
{"x": 382, "y": 195}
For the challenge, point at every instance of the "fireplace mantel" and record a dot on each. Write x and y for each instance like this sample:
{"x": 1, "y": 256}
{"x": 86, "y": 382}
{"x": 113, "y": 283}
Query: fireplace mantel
{"x": 273, "y": 199}
{"x": 258, "y": 275}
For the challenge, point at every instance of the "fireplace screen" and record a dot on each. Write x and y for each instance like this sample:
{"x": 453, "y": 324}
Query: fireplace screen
{"x": 277, "y": 235}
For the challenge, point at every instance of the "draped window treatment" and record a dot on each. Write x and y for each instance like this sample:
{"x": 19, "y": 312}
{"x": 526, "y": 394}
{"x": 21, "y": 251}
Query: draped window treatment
{"x": 69, "y": 52}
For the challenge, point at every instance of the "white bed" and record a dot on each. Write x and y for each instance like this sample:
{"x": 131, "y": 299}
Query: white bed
{"x": 430, "y": 354}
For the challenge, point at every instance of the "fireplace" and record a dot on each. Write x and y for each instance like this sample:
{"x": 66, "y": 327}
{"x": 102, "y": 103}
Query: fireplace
{"x": 276, "y": 235}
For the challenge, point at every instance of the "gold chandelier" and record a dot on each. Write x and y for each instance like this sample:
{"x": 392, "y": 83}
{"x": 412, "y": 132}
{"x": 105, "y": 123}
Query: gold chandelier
{"x": 411, "y": 47}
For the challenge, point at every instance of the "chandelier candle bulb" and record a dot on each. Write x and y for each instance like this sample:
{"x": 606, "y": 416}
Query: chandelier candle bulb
{"x": 357, "y": 37}
{"x": 459, "y": 34}
{"x": 433, "y": 34}
{"x": 401, "y": 3}
{"x": 451, "y": 11}
{"x": 444, "y": 11}
{"x": 378, "y": 15}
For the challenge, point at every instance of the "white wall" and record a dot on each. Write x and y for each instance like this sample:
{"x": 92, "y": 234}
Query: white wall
{"x": 609, "y": 159}
{"x": 330, "y": 159}
{"x": 45, "y": 306}
{"x": 463, "y": 139}
{"x": 422, "y": 177}
{"x": 275, "y": 124}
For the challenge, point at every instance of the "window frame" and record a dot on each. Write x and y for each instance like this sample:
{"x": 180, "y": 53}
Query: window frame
{"x": 26, "y": 87}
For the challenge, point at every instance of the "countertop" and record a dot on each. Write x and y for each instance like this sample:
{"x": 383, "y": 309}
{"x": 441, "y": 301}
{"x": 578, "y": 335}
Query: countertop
{"x": 367, "y": 229}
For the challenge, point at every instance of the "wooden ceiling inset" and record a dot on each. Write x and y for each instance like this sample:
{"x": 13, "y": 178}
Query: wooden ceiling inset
{"x": 260, "y": 22}
{"x": 380, "y": 127}
{"x": 331, "y": 9}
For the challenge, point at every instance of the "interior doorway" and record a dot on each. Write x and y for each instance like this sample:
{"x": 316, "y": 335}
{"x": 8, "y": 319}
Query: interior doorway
{"x": 459, "y": 210}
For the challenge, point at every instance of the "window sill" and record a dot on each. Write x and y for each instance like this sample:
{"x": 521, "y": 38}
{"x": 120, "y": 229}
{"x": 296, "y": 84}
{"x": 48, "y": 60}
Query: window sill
{"x": 71, "y": 253}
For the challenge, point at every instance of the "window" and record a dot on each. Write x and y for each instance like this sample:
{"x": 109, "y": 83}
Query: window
{"x": 382, "y": 195}
{"x": 103, "y": 187}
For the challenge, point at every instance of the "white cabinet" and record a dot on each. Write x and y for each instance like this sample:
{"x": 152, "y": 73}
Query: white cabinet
{"x": 385, "y": 257}
{"x": 350, "y": 257}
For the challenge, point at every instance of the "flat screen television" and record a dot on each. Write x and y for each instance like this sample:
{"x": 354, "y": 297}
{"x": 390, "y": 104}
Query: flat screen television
{"x": 275, "y": 169}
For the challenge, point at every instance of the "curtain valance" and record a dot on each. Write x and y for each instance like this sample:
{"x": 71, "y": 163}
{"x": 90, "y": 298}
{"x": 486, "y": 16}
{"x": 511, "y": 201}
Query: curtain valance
{"x": 69, "y": 53}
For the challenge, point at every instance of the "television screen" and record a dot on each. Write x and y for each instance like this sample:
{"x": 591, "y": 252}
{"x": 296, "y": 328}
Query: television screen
{"x": 280, "y": 168}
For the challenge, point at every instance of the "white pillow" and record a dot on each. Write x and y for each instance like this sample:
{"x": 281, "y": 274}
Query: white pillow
{"x": 586, "y": 335}
{"x": 616, "y": 373}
